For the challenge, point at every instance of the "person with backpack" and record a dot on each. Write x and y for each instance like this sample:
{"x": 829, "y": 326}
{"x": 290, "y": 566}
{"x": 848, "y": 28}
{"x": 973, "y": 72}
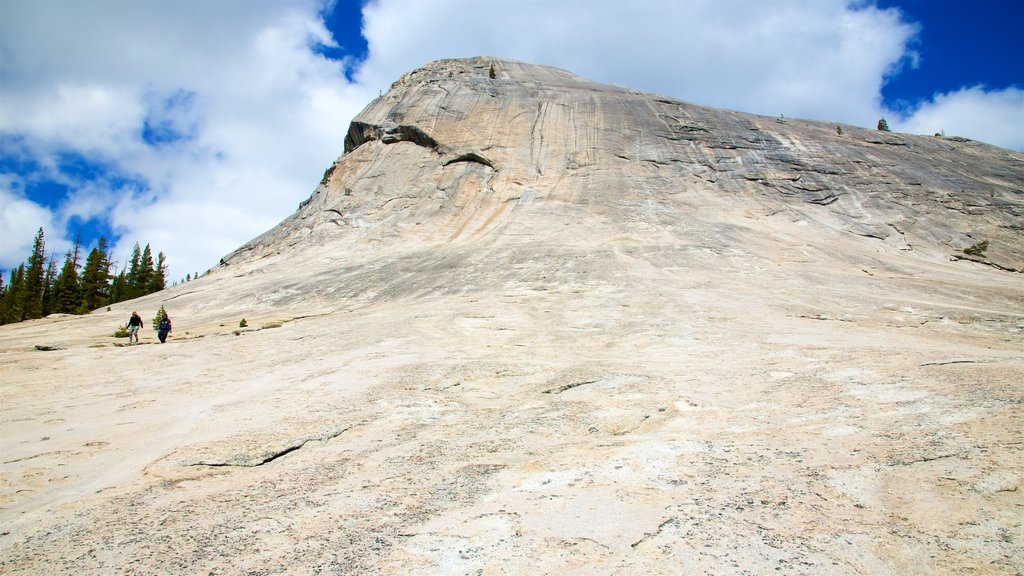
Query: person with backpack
{"x": 134, "y": 325}
{"x": 164, "y": 328}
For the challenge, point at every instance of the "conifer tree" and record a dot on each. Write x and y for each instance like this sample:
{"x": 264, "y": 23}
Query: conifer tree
{"x": 49, "y": 287}
{"x": 68, "y": 293}
{"x": 34, "y": 280}
{"x": 144, "y": 276}
{"x": 13, "y": 303}
{"x": 95, "y": 278}
{"x": 159, "y": 316}
{"x": 130, "y": 279}
{"x": 119, "y": 288}
{"x": 159, "y": 280}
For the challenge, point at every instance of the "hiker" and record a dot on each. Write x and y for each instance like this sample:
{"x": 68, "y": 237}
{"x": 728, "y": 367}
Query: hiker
{"x": 134, "y": 324}
{"x": 164, "y": 328}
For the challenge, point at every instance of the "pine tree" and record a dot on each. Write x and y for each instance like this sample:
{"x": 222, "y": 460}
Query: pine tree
{"x": 883, "y": 125}
{"x": 119, "y": 288}
{"x": 131, "y": 279}
{"x": 34, "y": 281}
{"x": 3, "y": 297}
{"x": 14, "y": 300}
{"x": 144, "y": 277}
{"x": 159, "y": 280}
{"x": 68, "y": 292}
{"x": 50, "y": 287}
{"x": 159, "y": 316}
{"x": 95, "y": 278}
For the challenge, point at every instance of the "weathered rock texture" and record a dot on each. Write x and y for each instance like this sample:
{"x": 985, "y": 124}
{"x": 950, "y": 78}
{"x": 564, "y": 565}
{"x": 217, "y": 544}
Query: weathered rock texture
{"x": 535, "y": 325}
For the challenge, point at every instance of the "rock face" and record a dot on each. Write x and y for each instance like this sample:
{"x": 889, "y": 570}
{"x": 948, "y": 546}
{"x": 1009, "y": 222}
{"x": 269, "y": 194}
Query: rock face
{"x": 531, "y": 324}
{"x": 457, "y": 154}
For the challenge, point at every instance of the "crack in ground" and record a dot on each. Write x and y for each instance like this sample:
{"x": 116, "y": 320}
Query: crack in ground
{"x": 245, "y": 462}
{"x": 564, "y": 387}
{"x": 648, "y": 535}
{"x": 948, "y": 362}
{"x": 924, "y": 459}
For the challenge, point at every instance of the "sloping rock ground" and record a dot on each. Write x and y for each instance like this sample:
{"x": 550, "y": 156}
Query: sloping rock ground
{"x": 536, "y": 325}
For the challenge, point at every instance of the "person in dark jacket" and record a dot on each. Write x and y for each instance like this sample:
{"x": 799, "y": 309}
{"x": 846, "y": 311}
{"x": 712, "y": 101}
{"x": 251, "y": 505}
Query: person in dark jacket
{"x": 164, "y": 328}
{"x": 134, "y": 325}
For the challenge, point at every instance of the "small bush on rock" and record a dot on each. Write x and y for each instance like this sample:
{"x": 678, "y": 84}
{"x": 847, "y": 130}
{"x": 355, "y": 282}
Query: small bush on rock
{"x": 977, "y": 249}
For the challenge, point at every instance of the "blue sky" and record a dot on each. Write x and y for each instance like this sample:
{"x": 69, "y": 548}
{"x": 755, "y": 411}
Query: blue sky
{"x": 197, "y": 126}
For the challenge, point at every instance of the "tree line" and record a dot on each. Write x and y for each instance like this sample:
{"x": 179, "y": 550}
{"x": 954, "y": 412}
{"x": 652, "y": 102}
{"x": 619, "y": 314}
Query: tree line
{"x": 36, "y": 288}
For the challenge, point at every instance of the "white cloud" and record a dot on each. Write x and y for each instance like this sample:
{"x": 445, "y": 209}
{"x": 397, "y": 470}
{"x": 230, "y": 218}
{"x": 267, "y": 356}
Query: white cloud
{"x": 995, "y": 117}
{"x": 245, "y": 113}
{"x": 87, "y": 117}
{"x": 20, "y": 220}
{"x": 801, "y": 58}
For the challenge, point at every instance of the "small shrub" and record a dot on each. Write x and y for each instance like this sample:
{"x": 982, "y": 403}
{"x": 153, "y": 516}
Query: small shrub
{"x": 883, "y": 125}
{"x": 243, "y": 323}
{"x": 839, "y": 130}
{"x": 121, "y": 332}
{"x": 491, "y": 73}
{"x": 159, "y": 316}
{"x": 977, "y": 249}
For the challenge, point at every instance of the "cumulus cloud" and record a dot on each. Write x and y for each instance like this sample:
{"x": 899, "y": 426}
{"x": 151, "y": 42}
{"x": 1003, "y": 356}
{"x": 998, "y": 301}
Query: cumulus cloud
{"x": 201, "y": 125}
{"x": 820, "y": 59}
{"x": 20, "y": 219}
{"x": 87, "y": 117}
{"x": 995, "y": 117}
{"x": 805, "y": 58}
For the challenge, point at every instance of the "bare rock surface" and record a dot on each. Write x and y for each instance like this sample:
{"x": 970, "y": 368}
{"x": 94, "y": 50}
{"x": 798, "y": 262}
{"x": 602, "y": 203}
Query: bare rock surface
{"x": 531, "y": 324}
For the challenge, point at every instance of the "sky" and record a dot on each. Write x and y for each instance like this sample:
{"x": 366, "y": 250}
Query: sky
{"x": 196, "y": 126}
